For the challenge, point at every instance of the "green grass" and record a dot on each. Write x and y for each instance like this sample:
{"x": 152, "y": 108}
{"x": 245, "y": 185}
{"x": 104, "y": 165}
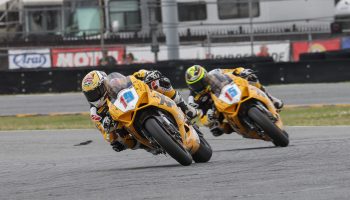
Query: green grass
{"x": 46, "y": 122}
{"x": 319, "y": 116}
{"x": 302, "y": 116}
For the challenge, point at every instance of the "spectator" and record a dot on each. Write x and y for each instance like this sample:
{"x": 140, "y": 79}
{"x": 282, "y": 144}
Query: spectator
{"x": 129, "y": 58}
{"x": 106, "y": 60}
{"x": 264, "y": 51}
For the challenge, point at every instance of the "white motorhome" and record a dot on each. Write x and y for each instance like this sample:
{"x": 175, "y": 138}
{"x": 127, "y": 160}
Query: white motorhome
{"x": 196, "y": 17}
{"x": 273, "y": 15}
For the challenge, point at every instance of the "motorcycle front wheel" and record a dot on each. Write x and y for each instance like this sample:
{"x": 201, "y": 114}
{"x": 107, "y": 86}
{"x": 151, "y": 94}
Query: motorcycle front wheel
{"x": 277, "y": 135}
{"x": 167, "y": 142}
{"x": 204, "y": 153}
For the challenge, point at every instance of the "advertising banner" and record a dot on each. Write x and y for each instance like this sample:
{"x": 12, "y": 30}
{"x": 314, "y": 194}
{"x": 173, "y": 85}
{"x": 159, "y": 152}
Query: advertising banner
{"x": 33, "y": 58}
{"x": 83, "y": 57}
{"x": 315, "y": 46}
{"x": 280, "y": 51}
{"x": 143, "y": 54}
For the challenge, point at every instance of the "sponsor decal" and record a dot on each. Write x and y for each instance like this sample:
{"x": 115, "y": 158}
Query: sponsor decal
{"x": 83, "y": 57}
{"x": 89, "y": 79}
{"x": 29, "y": 58}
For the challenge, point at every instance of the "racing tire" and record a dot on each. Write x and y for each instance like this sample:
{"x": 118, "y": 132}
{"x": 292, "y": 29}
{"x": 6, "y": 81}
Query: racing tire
{"x": 167, "y": 142}
{"x": 278, "y": 136}
{"x": 204, "y": 152}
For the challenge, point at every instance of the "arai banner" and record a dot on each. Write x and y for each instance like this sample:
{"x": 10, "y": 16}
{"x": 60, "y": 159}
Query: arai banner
{"x": 33, "y": 58}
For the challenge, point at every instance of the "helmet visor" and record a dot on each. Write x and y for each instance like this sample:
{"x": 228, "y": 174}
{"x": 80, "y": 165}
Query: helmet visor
{"x": 198, "y": 86}
{"x": 96, "y": 94}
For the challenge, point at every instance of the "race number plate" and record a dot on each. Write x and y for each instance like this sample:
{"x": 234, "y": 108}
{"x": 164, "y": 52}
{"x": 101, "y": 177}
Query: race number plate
{"x": 127, "y": 99}
{"x": 230, "y": 94}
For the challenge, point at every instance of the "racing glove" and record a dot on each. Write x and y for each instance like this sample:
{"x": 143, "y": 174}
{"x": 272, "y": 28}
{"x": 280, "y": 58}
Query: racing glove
{"x": 216, "y": 130}
{"x": 192, "y": 103}
{"x": 93, "y": 114}
{"x": 152, "y": 75}
{"x": 249, "y": 75}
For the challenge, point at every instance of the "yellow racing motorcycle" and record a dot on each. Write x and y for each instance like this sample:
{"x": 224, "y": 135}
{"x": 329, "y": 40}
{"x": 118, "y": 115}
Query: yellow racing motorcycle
{"x": 246, "y": 108}
{"x": 154, "y": 120}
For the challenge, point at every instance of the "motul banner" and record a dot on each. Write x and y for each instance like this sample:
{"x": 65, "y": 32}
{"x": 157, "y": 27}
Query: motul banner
{"x": 83, "y": 57}
{"x": 315, "y": 46}
{"x": 33, "y": 58}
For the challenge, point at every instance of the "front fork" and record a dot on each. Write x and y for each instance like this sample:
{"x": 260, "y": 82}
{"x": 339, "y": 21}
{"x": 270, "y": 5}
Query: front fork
{"x": 168, "y": 127}
{"x": 251, "y": 125}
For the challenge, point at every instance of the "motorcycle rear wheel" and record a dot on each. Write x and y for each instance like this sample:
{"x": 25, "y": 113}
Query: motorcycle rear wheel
{"x": 277, "y": 135}
{"x": 167, "y": 142}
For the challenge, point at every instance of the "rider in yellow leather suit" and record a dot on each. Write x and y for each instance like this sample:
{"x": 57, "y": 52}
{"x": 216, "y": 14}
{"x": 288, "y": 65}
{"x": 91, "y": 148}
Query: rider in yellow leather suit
{"x": 94, "y": 89}
{"x": 200, "y": 96}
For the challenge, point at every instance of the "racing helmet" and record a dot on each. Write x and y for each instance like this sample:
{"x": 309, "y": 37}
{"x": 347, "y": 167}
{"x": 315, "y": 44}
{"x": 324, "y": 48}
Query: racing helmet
{"x": 195, "y": 78}
{"x": 94, "y": 89}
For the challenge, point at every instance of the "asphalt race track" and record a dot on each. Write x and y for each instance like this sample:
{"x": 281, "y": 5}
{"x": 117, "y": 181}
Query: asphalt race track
{"x": 331, "y": 93}
{"x": 78, "y": 164}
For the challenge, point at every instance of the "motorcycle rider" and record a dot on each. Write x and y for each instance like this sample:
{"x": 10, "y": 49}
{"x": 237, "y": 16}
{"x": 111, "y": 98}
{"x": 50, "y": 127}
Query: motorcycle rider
{"x": 200, "y": 96}
{"x": 95, "y": 91}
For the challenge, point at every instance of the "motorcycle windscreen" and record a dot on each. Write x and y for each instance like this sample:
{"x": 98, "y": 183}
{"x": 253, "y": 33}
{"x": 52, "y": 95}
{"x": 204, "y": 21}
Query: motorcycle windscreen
{"x": 121, "y": 92}
{"x": 223, "y": 87}
{"x": 115, "y": 83}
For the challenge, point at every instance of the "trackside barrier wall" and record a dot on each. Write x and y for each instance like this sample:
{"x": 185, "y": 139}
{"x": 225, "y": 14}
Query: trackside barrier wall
{"x": 69, "y": 79}
{"x": 304, "y": 72}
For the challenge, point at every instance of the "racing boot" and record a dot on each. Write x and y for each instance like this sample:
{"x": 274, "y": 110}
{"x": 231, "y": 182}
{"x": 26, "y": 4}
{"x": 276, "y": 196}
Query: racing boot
{"x": 152, "y": 151}
{"x": 137, "y": 145}
{"x": 278, "y": 103}
{"x": 216, "y": 130}
{"x": 189, "y": 111}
